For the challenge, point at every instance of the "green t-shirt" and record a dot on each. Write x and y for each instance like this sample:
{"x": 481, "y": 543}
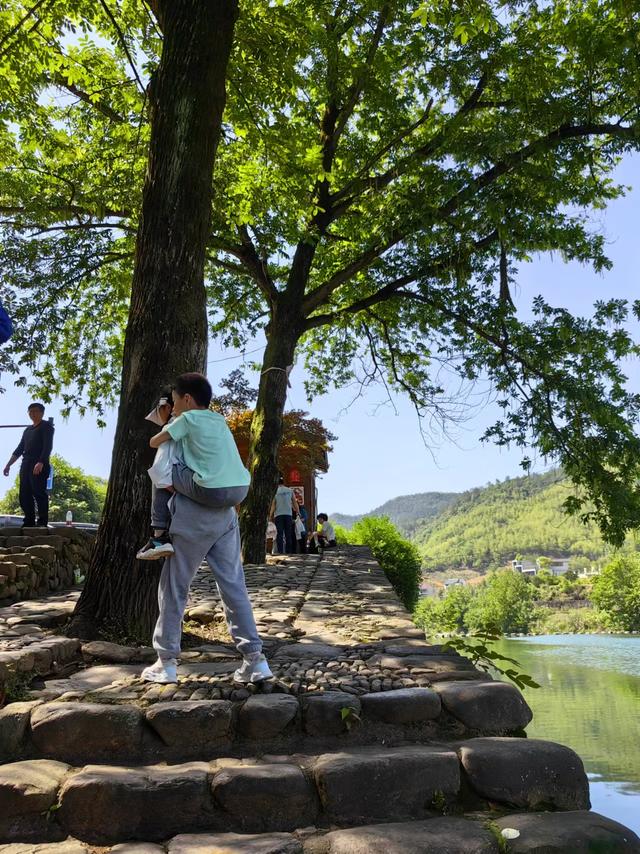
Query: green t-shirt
{"x": 209, "y": 449}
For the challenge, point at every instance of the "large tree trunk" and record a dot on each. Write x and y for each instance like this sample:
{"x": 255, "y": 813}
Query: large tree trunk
{"x": 266, "y": 431}
{"x": 167, "y": 329}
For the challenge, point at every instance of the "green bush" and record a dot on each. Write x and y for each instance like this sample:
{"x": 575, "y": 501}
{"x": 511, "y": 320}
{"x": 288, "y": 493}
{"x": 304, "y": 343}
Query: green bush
{"x": 399, "y": 558}
{"x": 504, "y": 603}
{"x": 570, "y": 622}
{"x": 616, "y": 591}
{"x": 342, "y": 535}
{"x": 445, "y": 614}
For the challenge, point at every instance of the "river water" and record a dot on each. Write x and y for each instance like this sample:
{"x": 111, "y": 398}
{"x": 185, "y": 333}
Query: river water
{"x": 590, "y": 701}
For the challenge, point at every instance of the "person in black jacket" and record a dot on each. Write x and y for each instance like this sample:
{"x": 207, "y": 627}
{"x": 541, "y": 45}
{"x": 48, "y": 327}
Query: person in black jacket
{"x": 35, "y": 450}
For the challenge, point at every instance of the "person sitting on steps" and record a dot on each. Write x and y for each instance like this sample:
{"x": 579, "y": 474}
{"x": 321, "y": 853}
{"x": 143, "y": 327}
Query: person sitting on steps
{"x": 324, "y": 538}
{"x": 203, "y": 530}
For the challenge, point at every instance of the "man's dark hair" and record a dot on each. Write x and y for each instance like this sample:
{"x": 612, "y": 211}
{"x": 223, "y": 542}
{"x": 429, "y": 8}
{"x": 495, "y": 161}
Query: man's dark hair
{"x": 36, "y": 405}
{"x": 280, "y": 479}
{"x": 323, "y": 516}
{"x": 196, "y": 385}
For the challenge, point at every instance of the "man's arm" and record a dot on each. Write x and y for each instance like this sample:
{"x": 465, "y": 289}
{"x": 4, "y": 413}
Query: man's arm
{"x": 12, "y": 460}
{"x": 14, "y": 456}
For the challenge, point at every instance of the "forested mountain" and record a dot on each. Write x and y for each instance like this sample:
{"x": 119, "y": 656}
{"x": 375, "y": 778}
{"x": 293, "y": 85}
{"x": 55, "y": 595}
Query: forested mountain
{"x": 490, "y": 525}
{"x": 405, "y": 511}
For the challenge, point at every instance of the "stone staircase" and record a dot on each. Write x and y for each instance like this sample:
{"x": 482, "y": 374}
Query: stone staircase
{"x": 368, "y": 740}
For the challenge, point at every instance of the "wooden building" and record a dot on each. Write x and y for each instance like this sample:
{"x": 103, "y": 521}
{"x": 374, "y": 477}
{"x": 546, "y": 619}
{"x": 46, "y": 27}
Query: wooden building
{"x": 304, "y": 453}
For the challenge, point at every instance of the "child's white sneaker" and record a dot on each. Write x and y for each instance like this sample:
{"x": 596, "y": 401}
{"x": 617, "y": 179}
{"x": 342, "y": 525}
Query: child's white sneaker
{"x": 163, "y": 672}
{"x": 254, "y": 668}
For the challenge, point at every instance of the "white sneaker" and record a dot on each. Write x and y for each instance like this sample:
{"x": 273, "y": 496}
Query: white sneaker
{"x": 163, "y": 672}
{"x": 254, "y": 668}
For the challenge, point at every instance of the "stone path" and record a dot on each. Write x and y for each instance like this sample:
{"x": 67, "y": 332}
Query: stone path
{"x": 364, "y": 723}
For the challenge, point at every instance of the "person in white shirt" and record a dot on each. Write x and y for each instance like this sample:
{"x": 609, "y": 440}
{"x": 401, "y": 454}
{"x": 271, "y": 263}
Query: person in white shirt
{"x": 324, "y": 537}
{"x": 283, "y": 506}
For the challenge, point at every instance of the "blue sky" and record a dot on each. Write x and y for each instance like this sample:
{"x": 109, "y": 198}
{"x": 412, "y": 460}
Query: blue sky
{"x": 380, "y": 453}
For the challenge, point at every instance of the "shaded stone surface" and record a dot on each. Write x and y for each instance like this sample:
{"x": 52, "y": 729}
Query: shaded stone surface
{"x": 69, "y": 846}
{"x": 433, "y": 836}
{"x": 192, "y": 725}
{"x": 137, "y": 848}
{"x": 265, "y": 797}
{"x": 73, "y": 731}
{"x": 322, "y": 713}
{"x": 27, "y": 791}
{"x": 101, "y": 804}
{"x": 578, "y": 832}
{"x": 234, "y": 843}
{"x": 525, "y": 772}
{"x": 374, "y": 783}
{"x": 14, "y": 724}
{"x": 490, "y": 707}
{"x": 406, "y": 705}
{"x": 266, "y": 716}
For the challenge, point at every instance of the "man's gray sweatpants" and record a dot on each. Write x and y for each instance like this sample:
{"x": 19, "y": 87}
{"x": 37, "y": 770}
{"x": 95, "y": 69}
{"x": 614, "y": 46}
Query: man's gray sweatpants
{"x": 199, "y": 533}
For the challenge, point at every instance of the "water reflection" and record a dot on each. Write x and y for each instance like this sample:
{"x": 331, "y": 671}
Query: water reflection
{"x": 590, "y": 700}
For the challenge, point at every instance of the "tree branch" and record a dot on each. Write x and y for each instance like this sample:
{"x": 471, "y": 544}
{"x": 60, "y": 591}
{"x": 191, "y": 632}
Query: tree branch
{"x": 355, "y": 188}
{"x": 80, "y": 226}
{"x": 356, "y": 88}
{"x": 515, "y": 158}
{"x": 391, "y": 289}
{"x": 67, "y": 211}
{"x": 28, "y": 14}
{"x": 60, "y": 81}
{"x": 123, "y": 43}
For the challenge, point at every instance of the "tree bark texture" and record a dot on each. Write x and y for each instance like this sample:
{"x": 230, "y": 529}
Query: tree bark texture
{"x": 283, "y": 335}
{"x": 167, "y": 328}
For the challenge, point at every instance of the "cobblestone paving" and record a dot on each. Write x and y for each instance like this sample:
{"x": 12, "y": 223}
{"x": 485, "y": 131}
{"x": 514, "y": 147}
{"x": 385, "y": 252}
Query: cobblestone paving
{"x": 330, "y": 624}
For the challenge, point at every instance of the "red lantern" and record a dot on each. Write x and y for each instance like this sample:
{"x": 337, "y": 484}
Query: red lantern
{"x": 294, "y": 476}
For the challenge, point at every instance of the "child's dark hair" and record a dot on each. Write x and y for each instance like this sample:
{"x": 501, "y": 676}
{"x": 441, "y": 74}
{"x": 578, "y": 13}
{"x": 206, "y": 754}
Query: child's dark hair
{"x": 36, "y": 405}
{"x": 196, "y": 385}
{"x": 323, "y": 516}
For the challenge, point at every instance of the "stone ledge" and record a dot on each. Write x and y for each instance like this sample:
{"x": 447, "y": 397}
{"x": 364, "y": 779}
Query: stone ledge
{"x": 75, "y": 730}
{"x": 105, "y": 804}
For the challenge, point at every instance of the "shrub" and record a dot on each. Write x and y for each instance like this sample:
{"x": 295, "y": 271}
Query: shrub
{"x": 503, "y": 604}
{"x": 572, "y": 621}
{"x": 445, "y": 614}
{"x": 342, "y": 535}
{"x": 616, "y": 591}
{"x": 399, "y": 558}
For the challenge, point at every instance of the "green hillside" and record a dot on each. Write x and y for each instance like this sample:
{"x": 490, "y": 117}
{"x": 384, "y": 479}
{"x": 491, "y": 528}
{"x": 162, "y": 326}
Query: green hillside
{"x": 490, "y": 525}
{"x": 405, "y": 511}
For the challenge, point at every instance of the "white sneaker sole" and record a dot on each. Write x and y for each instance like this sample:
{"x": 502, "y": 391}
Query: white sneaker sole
{"x": 253, "y": 679}
{"x": 156, "y": 554}
{"x": 149, "y": 675}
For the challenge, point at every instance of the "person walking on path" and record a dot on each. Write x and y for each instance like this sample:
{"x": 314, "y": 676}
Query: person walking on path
{"x": 199, "y": 532}
{"x": 35, "y": 449}
{"x": 283, "y": 506}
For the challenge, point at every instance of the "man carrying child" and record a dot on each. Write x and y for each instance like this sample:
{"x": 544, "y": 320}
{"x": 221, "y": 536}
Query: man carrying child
{"x": 194, "y": 519}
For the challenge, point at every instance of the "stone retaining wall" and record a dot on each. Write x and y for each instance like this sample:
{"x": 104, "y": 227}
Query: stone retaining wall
{"x": 37, "y": 561}
{"x": 102, "y": 804}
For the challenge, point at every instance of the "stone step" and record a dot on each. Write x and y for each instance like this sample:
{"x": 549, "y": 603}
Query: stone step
{"x": 80, "y": 732}
{"x": 578, "y": 832}
{"x": 44, "y": 800}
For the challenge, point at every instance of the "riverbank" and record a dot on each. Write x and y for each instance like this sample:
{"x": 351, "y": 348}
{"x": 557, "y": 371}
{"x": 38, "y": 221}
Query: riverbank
{"x": 589, "y": 700}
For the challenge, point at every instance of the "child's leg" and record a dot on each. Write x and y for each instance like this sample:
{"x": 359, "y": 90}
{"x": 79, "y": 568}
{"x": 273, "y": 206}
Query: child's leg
{"x": 160, "y": 516}
{"x": 184, "y": 483}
